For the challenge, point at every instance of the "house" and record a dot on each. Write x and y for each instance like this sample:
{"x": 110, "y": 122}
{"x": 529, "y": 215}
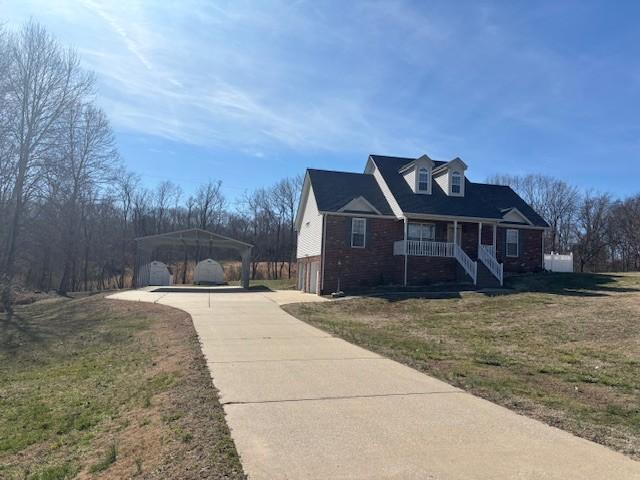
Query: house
{"x": 411, "y": 221}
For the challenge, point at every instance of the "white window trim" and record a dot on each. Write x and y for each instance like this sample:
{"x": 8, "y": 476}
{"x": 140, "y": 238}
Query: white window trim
{"x": 364, "y": 232}
{"x": 423, "y": 190}
{"x": 460, "y": 176}
{"x": 423, "y": 223}
{"x": 517, "y": 242}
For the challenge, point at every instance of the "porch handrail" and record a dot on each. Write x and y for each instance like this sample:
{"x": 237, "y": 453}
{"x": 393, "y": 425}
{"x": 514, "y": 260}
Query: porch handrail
{"x": 486, "y": 257}
{"x": 423, "y": 248}
{"x": 491, "y": 249}
{"x": 469, "y": 265}
{"x": 429, "y": 248}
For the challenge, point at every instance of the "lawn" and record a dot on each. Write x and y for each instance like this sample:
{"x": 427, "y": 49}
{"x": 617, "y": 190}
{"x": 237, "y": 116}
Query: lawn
{"x": 98, "y": 388}
{"x": 562, "y": 348}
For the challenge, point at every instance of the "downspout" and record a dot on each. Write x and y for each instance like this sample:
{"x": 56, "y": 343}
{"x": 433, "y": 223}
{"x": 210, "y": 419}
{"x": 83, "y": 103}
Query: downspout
{"x": 323, "y": 249}
{"x": 406, "y": 258}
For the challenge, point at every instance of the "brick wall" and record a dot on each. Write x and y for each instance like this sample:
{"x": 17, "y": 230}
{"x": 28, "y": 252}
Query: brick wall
{"x": 529, "y": 257}
{"x": 469, "y": 240}
{"x": 426, "y": 270}
{"x": 362, "y": 267}
{"x": 487, "y": 234}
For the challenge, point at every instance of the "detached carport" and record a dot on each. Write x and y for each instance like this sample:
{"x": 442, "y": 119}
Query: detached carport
{"x": 183, "y": 240}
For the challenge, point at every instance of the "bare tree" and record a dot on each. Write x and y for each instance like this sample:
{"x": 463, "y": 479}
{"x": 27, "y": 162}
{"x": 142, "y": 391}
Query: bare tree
{"x": 593, "y": 229}
{"x": 43, "y": 80}
{"x": 555, "y": 200}
{"x": 210, "y": 203}
{"x": 87, "y": 164}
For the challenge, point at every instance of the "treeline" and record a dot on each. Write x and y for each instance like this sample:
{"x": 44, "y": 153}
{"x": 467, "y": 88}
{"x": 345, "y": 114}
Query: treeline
{"x": 601, "y": 231}
{"x": 69, "y": 211}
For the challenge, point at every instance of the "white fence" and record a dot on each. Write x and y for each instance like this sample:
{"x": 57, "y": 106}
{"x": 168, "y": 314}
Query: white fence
{"x": 556, "y": 262}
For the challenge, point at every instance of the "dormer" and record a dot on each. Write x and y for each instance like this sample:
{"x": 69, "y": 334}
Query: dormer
{"x": 450, "y": 177}
{"x": 418, "y": 175}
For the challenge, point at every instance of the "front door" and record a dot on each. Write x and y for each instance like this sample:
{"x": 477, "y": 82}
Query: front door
{"x": 450, "y": 234}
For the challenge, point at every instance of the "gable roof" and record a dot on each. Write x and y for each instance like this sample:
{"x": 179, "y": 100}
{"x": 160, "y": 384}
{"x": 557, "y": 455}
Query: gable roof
{"x": 505, "y": 199}
{"x": 479, "y": 201}
{"x": 335, "y": 190}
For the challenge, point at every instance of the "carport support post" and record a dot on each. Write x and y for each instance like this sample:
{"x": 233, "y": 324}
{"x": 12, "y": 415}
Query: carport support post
{"x": 246, "y": 263}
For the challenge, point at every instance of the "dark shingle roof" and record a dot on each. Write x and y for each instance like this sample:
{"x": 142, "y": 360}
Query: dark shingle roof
{"x": 333, "y": 190}
{"x": 480, "y": 200}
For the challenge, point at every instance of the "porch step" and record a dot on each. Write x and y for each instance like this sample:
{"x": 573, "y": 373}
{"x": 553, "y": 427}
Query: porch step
{"x": 486, "y": 278}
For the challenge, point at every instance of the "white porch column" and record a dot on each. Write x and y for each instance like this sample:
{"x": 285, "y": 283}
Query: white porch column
{"x": 246, "y": 267}
{"x": 479, "y": 237}
{"x": 455, "y": 232}
{"x": 495, "y": 248}
{"x": 406, "y": 247}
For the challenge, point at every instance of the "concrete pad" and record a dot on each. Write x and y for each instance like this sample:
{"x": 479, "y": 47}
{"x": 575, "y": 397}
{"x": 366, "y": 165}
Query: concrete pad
{"x": 316, "y": 379}
{"x": 277, "y": 349}
{"x": 430, "y": 436}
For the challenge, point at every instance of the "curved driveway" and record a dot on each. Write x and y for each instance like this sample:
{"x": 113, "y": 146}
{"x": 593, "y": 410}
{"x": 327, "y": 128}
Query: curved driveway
{"x": 302, "y": 404}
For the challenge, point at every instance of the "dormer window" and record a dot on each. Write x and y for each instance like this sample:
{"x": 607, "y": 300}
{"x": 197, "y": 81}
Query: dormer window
{"x": 423, "y": 180}
{"x": 456, "y": 183}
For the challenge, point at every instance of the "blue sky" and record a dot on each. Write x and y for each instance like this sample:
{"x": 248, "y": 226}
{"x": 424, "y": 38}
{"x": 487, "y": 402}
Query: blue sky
{"x": 249, "y": 92}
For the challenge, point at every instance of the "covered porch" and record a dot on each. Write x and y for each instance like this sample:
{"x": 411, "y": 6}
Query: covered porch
{"x": 467, "y": 242}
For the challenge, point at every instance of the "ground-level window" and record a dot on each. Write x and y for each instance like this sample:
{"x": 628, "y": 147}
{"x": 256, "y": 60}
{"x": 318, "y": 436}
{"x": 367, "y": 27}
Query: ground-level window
{"x": 512, "y": 243}
{"x": 424, "y": 232}
{"x": 358, "y": 232}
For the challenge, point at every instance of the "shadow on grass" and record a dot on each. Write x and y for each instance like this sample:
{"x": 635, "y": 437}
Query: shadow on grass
{"x": 571, "y": 284}
{"x": 565, "y": 284}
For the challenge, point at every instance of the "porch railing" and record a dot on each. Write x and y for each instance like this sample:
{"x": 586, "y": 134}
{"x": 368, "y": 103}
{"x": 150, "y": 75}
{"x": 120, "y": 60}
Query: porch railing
{"x": 487, "y": 256}
{"x": 491, "y": 249}
{"x": 423, "y": 249}
{"x": 469, "y": 265}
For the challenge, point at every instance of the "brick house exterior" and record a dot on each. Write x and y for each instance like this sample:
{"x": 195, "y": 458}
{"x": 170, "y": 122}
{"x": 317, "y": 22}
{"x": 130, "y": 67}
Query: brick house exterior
{"x": 411, "y": 222}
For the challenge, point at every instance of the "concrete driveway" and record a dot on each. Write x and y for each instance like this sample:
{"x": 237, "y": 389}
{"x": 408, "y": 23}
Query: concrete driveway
{"x": 302, "y": 404}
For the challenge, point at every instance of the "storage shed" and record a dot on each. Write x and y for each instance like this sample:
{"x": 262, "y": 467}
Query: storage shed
{"x": 159, "y": 274}
{"x": 208, "y": 272}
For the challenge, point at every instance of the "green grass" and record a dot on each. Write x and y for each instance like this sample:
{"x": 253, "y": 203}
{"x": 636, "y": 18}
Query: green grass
{"x": 79, "y": 376}
{"x": 563, "y": 348}
{"x": 110, "y": 458}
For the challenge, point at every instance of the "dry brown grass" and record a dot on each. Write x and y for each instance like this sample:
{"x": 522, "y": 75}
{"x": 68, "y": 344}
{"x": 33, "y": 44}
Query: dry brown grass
{"x": 97, "y": 388}
{"x": 564, "y": 349}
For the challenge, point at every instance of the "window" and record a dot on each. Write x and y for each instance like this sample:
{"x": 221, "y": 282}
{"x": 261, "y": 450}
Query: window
{"x": 512, "y": 243}
{"x": 423, "y": 232}
{"x": 358, "y": 231}
{"x": 456, "y": 182}
{"x": 423, "y": 180}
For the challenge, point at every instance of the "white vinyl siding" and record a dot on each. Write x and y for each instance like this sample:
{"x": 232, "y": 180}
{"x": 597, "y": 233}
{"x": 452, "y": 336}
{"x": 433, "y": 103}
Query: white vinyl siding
{"x": 310, "y": 233}
{"x": 513, "y": 247}
{"x": 358, "y": 232}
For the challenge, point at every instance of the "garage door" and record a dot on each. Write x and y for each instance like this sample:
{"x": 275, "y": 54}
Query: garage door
{"x": 313, "y": 280}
